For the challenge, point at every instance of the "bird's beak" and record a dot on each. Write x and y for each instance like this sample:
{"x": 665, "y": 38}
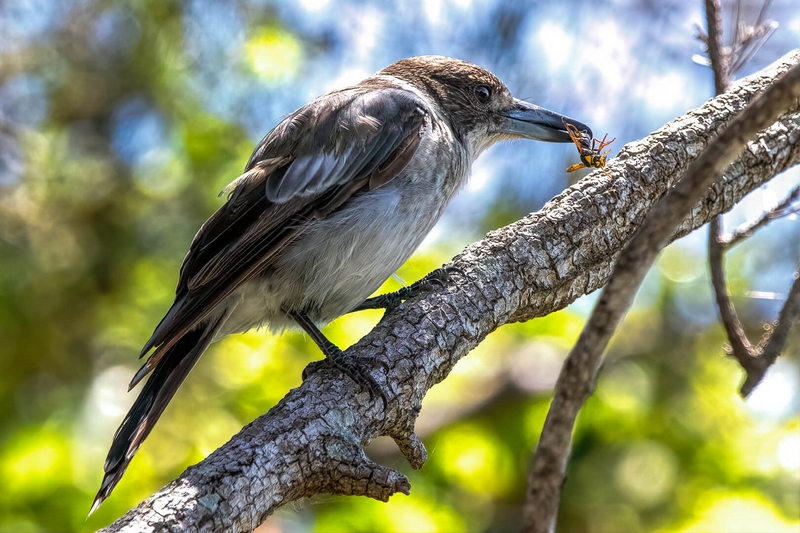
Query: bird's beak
{"x": 537, "y": 123}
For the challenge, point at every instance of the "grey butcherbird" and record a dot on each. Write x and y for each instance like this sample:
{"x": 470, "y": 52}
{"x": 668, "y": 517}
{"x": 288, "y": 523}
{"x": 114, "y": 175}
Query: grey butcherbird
{"x": 331, "y": 203}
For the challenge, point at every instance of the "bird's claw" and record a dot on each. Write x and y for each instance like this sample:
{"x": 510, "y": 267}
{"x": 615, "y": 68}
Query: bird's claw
{"x": 435, "y": 279}
{"x": 353, "y": 367}
{"x": 312, "y": 368}
{"x": 443, "y": 274}
{"x": 432, "y": 281}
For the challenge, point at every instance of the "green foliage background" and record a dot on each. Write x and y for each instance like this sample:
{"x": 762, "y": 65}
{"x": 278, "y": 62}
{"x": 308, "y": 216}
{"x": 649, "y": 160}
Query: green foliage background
{"x": 90, "y": 246}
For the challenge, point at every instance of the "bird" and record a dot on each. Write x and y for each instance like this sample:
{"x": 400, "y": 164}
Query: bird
{"x": 333, "y": 200}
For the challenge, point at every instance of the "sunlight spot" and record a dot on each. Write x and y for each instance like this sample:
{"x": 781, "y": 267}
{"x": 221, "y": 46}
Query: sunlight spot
{"x": 31, "y": 458}
{"x": 412, "y": 516}
{"x": 433, "y": 11}
{"x": 665, "y": 91}
{"x": 788, "y": 452}
{"x": 247, "y": 357}
{"x": 626, "y": 387}
{"x": 314, "y": 6}
{"x": 677, "y": 265}
{"x": 740, "y": 514}
{"x": 534, "y": 367}
{"x": 431, "y": 239}
{"x": 108, "y": 394}
{"x": 480, "y": 176}
{"x": 776, "y": 396}
{"x": 475, "y": 460}
{"x": 555, "y": 43}
{"x": 274, "y": 54}
{"x": 36, "y": 460}
{"x": 794, "y": 25}
{"x": 647, "y": 473}
{"x": 605, "y": 39}
{"x": 346, "y": 78}
{"x": 368, "y": 32}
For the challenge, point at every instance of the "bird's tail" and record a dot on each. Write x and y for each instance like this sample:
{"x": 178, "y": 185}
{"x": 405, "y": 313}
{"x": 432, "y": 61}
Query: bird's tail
{"x": 169, "y": 373}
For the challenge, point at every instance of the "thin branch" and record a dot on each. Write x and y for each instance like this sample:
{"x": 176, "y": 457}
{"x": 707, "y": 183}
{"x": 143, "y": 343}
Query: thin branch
{"x": 748, "y": 40}
{"x": 775, "y": 339}
{"x": 780, "y": 334}
{"x": 736, "y": 20}
{"x": 740, "y": 345}
{"x": 746, "y": 230}
{"x": 310, "y": 443}
{"x": 716, "y": 54}
{"x": 578, "y": 376}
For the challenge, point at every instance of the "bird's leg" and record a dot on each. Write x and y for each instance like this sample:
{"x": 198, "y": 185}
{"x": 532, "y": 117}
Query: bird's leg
{"x": 434, "y": 280}
{"x": 351, "y": 366}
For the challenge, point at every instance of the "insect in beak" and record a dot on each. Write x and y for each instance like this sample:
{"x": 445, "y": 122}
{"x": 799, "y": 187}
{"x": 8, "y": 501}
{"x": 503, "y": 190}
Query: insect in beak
{"x": 590, "y": 149}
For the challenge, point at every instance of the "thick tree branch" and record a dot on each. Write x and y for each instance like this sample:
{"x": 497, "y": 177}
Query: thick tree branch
{"x": 579, "y": 373}
{"x": 311, "y": 441}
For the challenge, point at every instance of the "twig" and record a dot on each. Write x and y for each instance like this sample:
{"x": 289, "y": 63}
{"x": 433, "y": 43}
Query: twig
{"x": 578, "y": 376}
{"x": 778, "y": 337}
{"x": 774, "y": 340}
{"x": 746, "y": 230}
{"x": 748, "y": 40}
{"x": 718, "y": 57}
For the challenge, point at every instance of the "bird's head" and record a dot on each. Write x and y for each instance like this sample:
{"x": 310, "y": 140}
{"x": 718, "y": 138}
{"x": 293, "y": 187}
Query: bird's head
{"x": 479, "y": 107}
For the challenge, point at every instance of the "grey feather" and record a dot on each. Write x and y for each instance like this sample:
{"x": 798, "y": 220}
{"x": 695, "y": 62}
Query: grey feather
{"x": 333, "y": 200}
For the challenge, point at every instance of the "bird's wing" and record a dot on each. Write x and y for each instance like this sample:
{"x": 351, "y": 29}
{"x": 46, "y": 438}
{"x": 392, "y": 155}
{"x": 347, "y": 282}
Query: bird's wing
{"x": 307, "y": 167}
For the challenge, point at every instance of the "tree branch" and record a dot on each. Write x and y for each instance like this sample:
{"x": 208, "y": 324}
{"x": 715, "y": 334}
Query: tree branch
{"x": 740, "y": 345}
{"x": 754, "y": 359}
{"x": 579, "y": 373}
{"x": 746, "y": 230}
{"x": 774, "y": 340}
{"x": 311, "y": 441}
{"x": 716, "y": 54}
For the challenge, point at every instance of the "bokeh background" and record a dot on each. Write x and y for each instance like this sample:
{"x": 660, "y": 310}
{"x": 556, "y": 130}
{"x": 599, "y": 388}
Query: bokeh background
{"x": 121, "y": 121}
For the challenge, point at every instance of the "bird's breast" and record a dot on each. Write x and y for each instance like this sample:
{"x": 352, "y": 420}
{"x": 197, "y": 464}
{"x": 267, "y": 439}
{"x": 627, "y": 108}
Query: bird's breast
{"x": 340, "y": 260}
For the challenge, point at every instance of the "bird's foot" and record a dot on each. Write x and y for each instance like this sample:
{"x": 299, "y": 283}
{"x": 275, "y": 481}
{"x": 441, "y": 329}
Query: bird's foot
{"x": 353, "y": 367}
{"x": 432, "y": 281}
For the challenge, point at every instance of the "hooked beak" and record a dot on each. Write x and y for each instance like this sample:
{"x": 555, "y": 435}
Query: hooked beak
{"x": 537, "y": 123}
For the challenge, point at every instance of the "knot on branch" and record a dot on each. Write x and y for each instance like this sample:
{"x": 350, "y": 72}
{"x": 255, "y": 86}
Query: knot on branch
{"x": 407, "y": 440}
{"x": 412, "y": 448}
{"x": 350, "y": 472}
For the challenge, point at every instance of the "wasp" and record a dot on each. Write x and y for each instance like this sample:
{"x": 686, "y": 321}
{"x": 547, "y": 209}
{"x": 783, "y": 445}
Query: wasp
{"x": 589, "y": 149}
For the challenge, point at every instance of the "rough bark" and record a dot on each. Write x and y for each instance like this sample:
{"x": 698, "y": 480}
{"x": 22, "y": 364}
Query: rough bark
{"x": 579, "y": 374}
{"x": 311, "y": 442}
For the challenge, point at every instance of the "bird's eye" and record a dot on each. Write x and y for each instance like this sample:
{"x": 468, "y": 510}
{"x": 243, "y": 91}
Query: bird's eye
{"x": 483, "y": 93}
